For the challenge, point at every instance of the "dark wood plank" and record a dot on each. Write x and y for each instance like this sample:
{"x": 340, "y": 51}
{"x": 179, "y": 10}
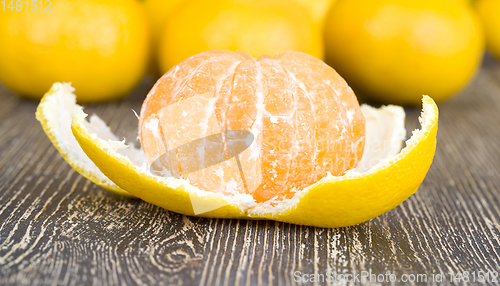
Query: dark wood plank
{"x": 56, "y": 228}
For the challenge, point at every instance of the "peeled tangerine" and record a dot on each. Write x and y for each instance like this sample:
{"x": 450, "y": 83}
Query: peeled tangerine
{"x": 304, "y": 118}
{"x": 277, "y": 137}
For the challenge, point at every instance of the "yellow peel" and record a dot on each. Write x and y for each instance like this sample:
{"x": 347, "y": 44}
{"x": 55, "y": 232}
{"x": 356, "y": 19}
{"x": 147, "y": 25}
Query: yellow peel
{"x": 331, "y": 202}
{"x": 50, "y": 112}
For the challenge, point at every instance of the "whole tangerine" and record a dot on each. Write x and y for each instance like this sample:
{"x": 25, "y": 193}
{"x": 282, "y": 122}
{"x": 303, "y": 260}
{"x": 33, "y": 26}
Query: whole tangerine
{"x": 253, "y": 26}
{"x": 394, "y": 51}
{"x": 101, "y": 47}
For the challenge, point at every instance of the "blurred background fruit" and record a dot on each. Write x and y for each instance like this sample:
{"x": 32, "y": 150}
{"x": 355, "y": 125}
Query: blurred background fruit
{"x": 390, "y": 51}
{"x": 393, "y": 51}
{"x": 102, "y": 47}
{"x": 158, "y": 12}
{"x": 489, "y": 13}
{"x": 254, "y": 26}
{"x": 317, "y": 9}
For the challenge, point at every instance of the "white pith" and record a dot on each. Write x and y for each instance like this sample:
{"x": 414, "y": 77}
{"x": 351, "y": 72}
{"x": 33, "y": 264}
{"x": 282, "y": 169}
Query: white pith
{"x": 384, "y": 127}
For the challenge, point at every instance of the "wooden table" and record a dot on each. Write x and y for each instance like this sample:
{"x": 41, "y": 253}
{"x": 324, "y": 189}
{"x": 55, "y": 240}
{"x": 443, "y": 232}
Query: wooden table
{"x": 58, "y": 228}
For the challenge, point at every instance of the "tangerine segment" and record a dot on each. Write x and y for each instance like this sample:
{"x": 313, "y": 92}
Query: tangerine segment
{"x": 305, "y": 120}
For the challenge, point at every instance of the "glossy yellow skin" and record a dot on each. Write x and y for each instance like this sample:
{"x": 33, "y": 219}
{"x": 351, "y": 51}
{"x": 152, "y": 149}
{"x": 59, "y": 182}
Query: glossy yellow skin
{"x": 253, "y": 26}
{"x": 393, "y": 51}
{"x": 102, "y": 47}
{"x": 489, "y": 13}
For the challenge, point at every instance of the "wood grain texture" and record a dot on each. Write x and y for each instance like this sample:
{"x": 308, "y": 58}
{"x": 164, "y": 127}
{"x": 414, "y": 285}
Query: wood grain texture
{"x": 56, "y": 228}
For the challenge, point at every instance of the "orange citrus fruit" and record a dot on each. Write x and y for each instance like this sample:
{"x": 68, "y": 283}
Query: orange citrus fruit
{"x": 393, "y": 51}
{"x": 253, "y": 26}
{"x": 305, "y": 119}
{"x": 383, "y": 177}
{"x": 101, "y": 47}
{"x": 489, "y": 12}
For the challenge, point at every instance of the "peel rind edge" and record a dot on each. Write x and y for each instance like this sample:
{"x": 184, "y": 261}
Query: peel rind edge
{"x": 50, "y": 101}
